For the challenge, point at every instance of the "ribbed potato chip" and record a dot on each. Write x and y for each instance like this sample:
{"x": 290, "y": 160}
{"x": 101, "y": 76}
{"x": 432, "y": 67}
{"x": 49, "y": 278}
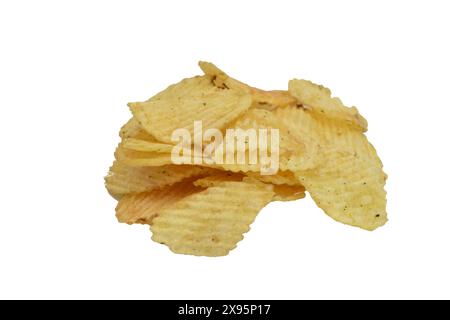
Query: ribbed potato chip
{"x": 132, "y": 129}
{"x": 297, "y": 149}
{"x": 319, "y": 100}
{"x": 349, "y": 189}
{"x": 143, "y": 207}
{"x": 123, "y": 179}
{"x": 349, "y": 182}
{"x": 180, "y": 105}
{"x": 212, "y": 222}
{"x": 262, "y": 98}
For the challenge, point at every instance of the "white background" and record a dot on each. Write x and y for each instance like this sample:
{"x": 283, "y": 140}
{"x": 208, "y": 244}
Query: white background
{"x": 67, "y": 70}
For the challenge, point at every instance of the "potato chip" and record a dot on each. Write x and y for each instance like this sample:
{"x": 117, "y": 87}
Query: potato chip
{"x": 180, "y": 105}
{"x": 297, "y": 150}
{"x": 132, "y": 129}
{"x": 143, "y": 207}
{"x": 123, "y": 179}
{"x": 263, "y": 99}
{"x": 212, "y": 222}
{"x": 319, "y": 100}
{"x": 219, "y": 77}
{"x": 349, "y": 189}
{"x": 349, "y": 182}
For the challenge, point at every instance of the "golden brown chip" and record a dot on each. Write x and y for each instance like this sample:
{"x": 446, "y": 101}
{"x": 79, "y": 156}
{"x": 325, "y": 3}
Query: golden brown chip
{"x": 212, "y": 222}
{"x": 285, "y": 192}
{"x": 143, "y": 207}
{"x": 190, "y": 100}
{"x": 319, "y": 100}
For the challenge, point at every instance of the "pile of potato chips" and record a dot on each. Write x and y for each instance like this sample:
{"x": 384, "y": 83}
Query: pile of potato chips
{"x": 205, "y": 209}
